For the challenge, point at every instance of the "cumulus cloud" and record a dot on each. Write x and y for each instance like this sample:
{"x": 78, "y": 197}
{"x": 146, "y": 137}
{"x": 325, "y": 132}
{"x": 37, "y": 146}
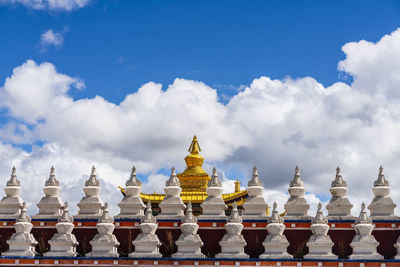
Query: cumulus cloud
{"x": 273, "y": 124}
{"x": 52, "y": 38}
{"x": 51, "y": 5}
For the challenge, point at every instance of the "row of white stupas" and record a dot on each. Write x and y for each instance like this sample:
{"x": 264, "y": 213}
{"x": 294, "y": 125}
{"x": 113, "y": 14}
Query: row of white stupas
{"x": 132, "y": 207}
{"x": 147, "y": 243}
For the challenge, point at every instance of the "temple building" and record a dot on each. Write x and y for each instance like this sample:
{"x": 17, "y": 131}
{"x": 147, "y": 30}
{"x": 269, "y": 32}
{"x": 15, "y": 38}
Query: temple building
{"x": 193, "y": 182}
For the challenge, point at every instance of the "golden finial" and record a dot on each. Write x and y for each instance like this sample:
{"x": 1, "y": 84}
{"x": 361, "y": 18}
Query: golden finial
{"x": 237, "y": 186}
{"x": 194, "y": 148}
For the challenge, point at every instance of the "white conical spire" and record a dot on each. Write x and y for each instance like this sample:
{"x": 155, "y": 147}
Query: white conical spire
{"x": 363, "y": 217}
{"x": 148, "y": 215}
{"x": 338, "y": 182}
{"x": 23, "y": 217}
{"x": 133, "y": 180}
{"x": 52, "y": 181}
{"x": 255, "y": 180}
{"x": 275, "y": 218}
{"x": 92, "y": 181}
{"x": 13, "y": 180}
{"x": 297, "y": 182}
{"x": 235, "y": 217}
{"x": 319, "y": 216}
{"x": 65, "y": 214}
{"x": 214, "y": 182}
{"x": 189, "y": 217}
{"x": 105, "y": 216}
{"x": 173, "y": 179}
{"x": 381, "y": 181}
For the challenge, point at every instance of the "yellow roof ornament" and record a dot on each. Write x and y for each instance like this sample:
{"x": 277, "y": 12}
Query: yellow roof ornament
{"x": 194, "y": 148}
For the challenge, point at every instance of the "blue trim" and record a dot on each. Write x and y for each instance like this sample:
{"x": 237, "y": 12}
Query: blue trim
{"x": 44, "y": 220}
{"x": 85, "y": 220}
{"x": 167, "y": 220}
{"x": 298, "y": 221}
{"x": 196, "y": 259}
{"x": 8, "y": 220}
{"x": 384, "y": 221}
{"x": 342, "y": 221}
{"x": 211, "y": 220}
{"x": 127, "y": 220}
{"x": 260, "y": 221}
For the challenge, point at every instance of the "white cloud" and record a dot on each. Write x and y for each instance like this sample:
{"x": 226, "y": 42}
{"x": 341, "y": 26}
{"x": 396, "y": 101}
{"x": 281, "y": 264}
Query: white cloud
{"x": 52, "y": 38}
{"x": 274, "y": 124}
{"x": 52, "y": 5}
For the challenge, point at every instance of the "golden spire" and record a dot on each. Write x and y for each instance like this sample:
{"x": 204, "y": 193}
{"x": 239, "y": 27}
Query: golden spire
{"x": 194, "y": 178}
{"x": 194, "y": 148}
{"x": 237, "y": 186}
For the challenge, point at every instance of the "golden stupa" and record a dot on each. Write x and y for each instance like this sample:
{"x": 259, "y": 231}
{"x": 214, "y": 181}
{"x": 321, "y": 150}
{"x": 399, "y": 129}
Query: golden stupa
{"x": 194, "y": 182}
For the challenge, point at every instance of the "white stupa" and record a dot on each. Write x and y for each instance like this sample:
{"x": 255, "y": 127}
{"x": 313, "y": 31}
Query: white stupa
{"x": 364, "y": 243}
{"x": 22, "y": 243}
{"x": 90, "y": 206}
{"x": 275, "y": 243}
{"x": 104, "y": 244}
{"x": 320, "y": 244}
{"x": 189, "y": 243}
{"x": 297, "y": 207}
{"x": 214, "y": 206}
{"x": 63, "y": 243}
{"x": 132, "y": 206}
{"x": 147, "y": 244}
{"x": 339, "y": 206}
{"x": 172, "y": 206}
{"x": 382, "y": 206}
{"x": 255, "y": 206}
{"x": 50, "y": 206}
{"x": 11, "y": 204}
{"x": 233, "y": 242}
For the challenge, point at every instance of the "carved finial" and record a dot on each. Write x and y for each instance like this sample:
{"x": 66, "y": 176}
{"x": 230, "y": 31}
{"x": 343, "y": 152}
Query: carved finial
{"x": 275, "y": 218}
{"x": 214, "y": 182}
{"x": 297, "y": 182}
{"x": 52, "y": 181}
{"x": 133, "y": 180}
{"x": 363, "y": 217}
{"x": 65, "y": 214}
{"x": 235, "y": 217}
{"x": 189, "y": 217}
{"x": 338, "y": 182}
{"x": 194, "y": 148}
{"x": 105, "y": 216}
{"x": 381, "y": 181}
{"x": 148, "y": 215}
{"x": 23, "y": 216}
{"x": 173, "y": 179}
{"x": 92, "y": 181}
{"x": 319, "y": 217}
{"x": 13, "y": 180}
{"x": 255, "y": 180}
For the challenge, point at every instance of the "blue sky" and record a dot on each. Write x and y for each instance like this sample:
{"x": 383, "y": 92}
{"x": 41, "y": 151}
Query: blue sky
{"x": 116, "y": 46}
{"x": 269, "y": 83}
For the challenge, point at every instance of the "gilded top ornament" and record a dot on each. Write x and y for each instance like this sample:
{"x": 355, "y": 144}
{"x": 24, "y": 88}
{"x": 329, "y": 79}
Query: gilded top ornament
{"x": 255, "y": 180}
{"x": 133, "y": 180}
{"x": 194, "y": 148}
{"x": 52, "y": 181}
{"x": 381, "y": 181}
{"x": 92, "y": 181}
{"x": 13, "y": 180}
